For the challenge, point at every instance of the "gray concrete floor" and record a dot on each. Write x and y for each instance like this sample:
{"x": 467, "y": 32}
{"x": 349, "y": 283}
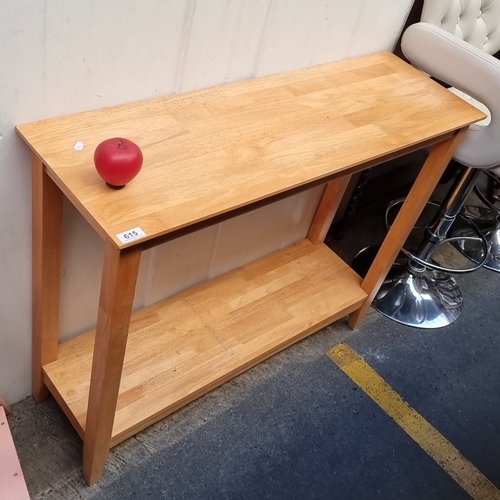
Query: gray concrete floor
{"x": 296, "y": 426}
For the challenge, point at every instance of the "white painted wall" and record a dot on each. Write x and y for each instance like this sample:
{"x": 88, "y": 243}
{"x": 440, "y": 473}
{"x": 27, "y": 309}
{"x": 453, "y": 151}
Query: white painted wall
{"x": 63, "y": 56}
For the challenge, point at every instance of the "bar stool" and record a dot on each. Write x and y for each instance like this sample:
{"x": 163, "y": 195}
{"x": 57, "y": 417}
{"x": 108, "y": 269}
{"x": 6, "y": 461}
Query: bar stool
{"x": 453, "y": 44}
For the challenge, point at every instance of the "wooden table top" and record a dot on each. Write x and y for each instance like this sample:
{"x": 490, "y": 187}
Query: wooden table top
{"x": 212, "y": 151}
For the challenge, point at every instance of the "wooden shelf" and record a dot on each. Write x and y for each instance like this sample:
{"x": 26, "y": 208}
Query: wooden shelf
{"x": 186, "y": 345}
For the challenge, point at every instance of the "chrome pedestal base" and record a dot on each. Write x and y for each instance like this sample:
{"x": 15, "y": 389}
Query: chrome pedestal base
{"x": 428, "y": 299}
{"x": 489, "y": 225}
{"x": 423, "y": 299}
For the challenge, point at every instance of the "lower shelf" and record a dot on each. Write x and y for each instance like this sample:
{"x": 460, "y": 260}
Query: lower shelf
{"x": 186, "y": 345}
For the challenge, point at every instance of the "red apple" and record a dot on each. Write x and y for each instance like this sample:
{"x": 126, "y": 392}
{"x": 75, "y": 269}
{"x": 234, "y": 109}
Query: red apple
{"x": 118, "y": 161}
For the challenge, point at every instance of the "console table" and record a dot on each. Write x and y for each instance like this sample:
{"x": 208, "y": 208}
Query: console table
{"x": 210, "y": 155}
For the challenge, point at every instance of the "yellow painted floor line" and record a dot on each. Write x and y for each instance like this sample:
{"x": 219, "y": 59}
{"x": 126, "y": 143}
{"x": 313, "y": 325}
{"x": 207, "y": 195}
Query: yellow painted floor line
{"x": 429, "y": 439}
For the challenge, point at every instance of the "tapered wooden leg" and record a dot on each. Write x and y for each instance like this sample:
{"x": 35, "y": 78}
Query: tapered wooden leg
{"x": 437, "y": 161}
{"x": 327, "y": 209}
{"x": 115, "y": 306}
{"x": 47, "y": 203}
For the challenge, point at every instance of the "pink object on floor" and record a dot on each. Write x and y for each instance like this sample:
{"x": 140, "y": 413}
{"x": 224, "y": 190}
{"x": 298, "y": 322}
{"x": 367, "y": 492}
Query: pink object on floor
{"x": 12, "y": 485}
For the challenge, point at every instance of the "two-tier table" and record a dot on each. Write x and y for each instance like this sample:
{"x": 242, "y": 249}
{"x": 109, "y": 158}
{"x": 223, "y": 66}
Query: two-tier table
{"x": 210, "y": 155}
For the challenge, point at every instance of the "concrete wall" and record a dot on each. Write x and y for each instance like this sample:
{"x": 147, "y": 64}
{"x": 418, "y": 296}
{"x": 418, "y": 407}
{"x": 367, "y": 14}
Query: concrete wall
{"x": 62, "y": 56}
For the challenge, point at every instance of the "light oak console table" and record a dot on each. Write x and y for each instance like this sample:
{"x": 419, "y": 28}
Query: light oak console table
{"x": 210, "y": 155}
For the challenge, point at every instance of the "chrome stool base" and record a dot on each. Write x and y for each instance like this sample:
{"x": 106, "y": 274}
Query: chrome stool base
{"x": 424, "y": 299}
{"x": 427, "y": 299}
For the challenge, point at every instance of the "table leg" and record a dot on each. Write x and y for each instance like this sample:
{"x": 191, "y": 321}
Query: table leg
{"x": 47, "y": 203}
{"x": 327, "y": 209}
{"x": 436, "y": 163}
{"x": 119, "y": 278}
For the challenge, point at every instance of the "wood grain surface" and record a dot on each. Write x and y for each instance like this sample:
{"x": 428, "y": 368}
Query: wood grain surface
{"x": 184, "y": 346}
{"x": 211, "y": 151}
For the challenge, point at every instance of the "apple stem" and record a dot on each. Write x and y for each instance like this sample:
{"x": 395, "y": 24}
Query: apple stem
{"x": 119, "y": 144}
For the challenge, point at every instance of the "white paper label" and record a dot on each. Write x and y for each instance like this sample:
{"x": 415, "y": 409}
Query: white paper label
{"x": 131, "y": 235}
{"x": 79, "y": 145}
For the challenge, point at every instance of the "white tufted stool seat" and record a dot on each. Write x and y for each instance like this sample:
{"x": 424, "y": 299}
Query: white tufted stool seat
{"x": 477, "y": 22}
